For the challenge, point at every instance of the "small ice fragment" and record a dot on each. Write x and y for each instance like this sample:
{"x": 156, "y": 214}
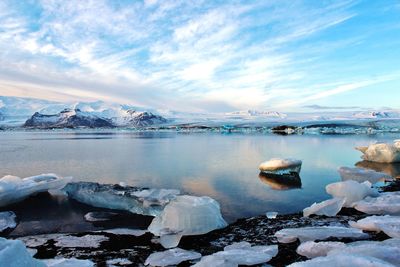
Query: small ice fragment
{"x": 186, "y": 215}
{"x": 385, "y": 203}
{"x": 280, "y": 166}
{"x": 86, "y": 241}
{"x": 70, "y": 262}
{"x": 271, "y": 214}
{"x": 171, "y": 257}
{"x": 312, "y": 233}
{"x": 329, "y": 207}
{"x": 13, "y": 253}
{"x": 351, "y": 190}
{"x": 7, "y": 220}
{"x": 361, "y": 175}
{"x": 125, "y": 231}
{"x": 311, "y": 249}
{"x": 381, "y": 152}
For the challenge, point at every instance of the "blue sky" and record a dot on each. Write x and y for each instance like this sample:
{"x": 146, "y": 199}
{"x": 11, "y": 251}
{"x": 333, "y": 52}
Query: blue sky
{"x": 196, "y": 55}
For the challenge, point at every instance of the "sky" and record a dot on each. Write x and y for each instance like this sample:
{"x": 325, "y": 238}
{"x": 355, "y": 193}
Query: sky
{"x": 199, "y": 56}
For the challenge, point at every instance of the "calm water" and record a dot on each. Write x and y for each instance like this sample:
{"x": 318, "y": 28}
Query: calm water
{"x": 224, "y": 167}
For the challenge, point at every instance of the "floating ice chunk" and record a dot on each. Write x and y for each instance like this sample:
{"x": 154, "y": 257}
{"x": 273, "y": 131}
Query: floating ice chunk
{"x": 171, "y": 257}
{"x": 239, "y": 254}
{"x": 71, "y": 262}
{"x": 351, "y": 190}
{"x": 14, "y": 189}
{"x": 7, "y": 220}
{"x": 86, "y": 241}
{"x": 133, "y": 199}
{"x": 343, "y": 260}
{"x": 186, "y": 215}
{"x": 385, "y": 203}
{"x": 375, "y": 223}
{"x": 313, "y": 249}
{"x": 271, "y": 214}
{"x": 13, "y": 253}
{"x": 384, "y": 153}
{"x": 281, "y": 166}
{"x": 361, "y": 175}
{"x": 329, "y": 207}
{"x": 304, "y": 234}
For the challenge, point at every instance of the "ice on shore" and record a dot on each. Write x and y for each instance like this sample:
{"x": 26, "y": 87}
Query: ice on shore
{"x": 381, "y": 152}
{"x": 8, "y": 220}
{"x": 70, "y": 262}
{"x": 239, "y": 254}
{"x": 186, "y": 215}
{"x": 375, "y": 223}
{"x": 86, "y": 241}
{"x": 14, "y": 189}
{"x": 311, "y": 249}
{"x": 171, "y": 257}
{"x": 281, "y": 166}
{"x": 133, "y": 199}
{"x": 13, "y": 253}
{"x": 304, "y": 234}
{"x": 329, "y": 207}
{"x": 385, "y": 203}
{"x": 361, "y": 175}
{"x": 351, "y": 191}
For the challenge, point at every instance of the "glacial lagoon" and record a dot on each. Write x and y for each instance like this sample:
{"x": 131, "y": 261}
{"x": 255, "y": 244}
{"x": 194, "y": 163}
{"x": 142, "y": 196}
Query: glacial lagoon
{"x": 222, "y": 166}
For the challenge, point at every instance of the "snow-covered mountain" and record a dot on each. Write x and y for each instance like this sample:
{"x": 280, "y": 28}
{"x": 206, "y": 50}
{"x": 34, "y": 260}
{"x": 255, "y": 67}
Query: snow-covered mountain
{"x": 377, "y": 115}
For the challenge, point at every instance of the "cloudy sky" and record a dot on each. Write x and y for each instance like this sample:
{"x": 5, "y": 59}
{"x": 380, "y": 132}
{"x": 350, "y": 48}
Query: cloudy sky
{"x": 195, "y": 55}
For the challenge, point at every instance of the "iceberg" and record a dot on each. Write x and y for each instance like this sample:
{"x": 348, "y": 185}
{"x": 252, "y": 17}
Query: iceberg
{"x": 281, "y": 166}
{"x": 132, "y": 199}
{"x": 329, "y": 207}
{"x": 312, "y": 233}
{"x": 361, "y": 175}
{"x": 381, "y": 152}
{"x": 71, "y": 262}
{"x": 351, "y": 190}
{"x": 186, "y": 215}
{"x": 311, "y": 249}
{"x": 171, "y": 257}
{"x": 239, "y": 254}
{"x": 14, "y": 189}
{"x": 13, "y": 253}
{"x": 385, "y": 203}
{"x": 8, "y": 220}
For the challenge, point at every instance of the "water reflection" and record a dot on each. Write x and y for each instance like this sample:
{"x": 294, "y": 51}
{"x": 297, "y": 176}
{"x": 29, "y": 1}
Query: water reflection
{"x": 281, "y": 181}
{"x": 393, "y": 169}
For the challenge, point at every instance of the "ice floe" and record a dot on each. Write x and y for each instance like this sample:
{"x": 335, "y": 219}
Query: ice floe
{"x": 381, "y": 152}
{"x": 351, "y": 190}
{"x": 13, "y": 253}
{"x": 385, "y": 203}
{"x": 311, "y": 249}
{"x": 14, "y": 189}
{"x": 133, "y": 199}
{"x": 329, "y": 207}
{"x": 186, "y": 215}
{"x": 70, "y": 262}
{"x": 304, "y": 234}
{"x": 7, "y": 220}
{"x": 239, "y": 254}
{"x": 171, "y": 257}
{"x": 280, "y": 166}
{"x": 361, "y": 175}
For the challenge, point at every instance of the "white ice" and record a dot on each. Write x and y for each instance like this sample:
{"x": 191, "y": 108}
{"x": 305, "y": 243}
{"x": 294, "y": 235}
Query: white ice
{"x": 14, "y": 189}
{"x": 311, "y": 249}
{"x": 388, "y": 224}
{"x": 280, "y": 166}
{"x": 329, "y": 207}
{"x": 7, "y": 220}
{"x": 239, "y": 254}
{"x": 381, "y": 152}
{"x": 70, "y": 262}
{"x": 304, "y": 234}
{"x": 351, "y": 190}
{"x": 125, "y": 231}
{"x": 361, "y": 175}
{"x": 171, "y": 257}
{"x": 13, "y": 253}
{"x": 186, "y": 215}
{"x": 385, "y": 203}
{"x": 86, "y": 241}
{"x": 135, "y": 200}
